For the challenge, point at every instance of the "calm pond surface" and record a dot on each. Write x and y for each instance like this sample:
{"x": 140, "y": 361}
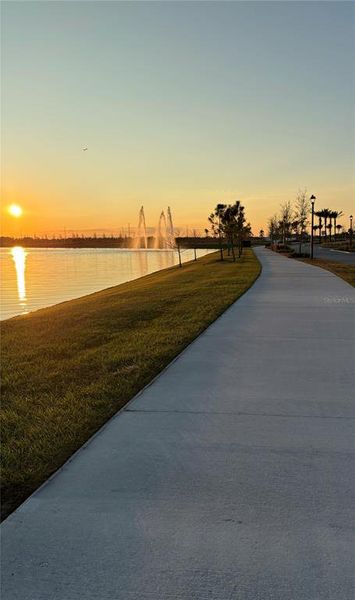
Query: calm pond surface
{"x": 33, "y": 278}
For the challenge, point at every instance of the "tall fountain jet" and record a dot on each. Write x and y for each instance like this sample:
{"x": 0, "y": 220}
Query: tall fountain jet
{"x": 161, "y": 232}
{"x": 141, "y": 236}
{"x": 170, "y": 229}
{"x": 164, "y": 236}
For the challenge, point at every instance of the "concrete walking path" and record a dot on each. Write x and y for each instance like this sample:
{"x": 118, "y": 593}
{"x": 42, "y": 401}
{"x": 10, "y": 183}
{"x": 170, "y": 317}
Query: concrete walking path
{"x": 334, "y": 255}
{"x": 339, "y": 256}
{"x": 230, "y": 478}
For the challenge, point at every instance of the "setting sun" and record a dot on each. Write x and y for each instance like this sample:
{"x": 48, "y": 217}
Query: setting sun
{"x": 15, "y": 210}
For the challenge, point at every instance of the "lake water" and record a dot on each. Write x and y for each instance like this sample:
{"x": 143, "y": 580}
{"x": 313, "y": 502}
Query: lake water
{"x": 33, "y": 278}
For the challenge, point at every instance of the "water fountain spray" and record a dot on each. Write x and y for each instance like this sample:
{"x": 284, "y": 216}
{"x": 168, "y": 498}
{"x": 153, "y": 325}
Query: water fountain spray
{"x": 161, "y": 233}
{"x": 141, "y": 231}
{"x": 170, "y": 229}
{"x": 164, "y": 236}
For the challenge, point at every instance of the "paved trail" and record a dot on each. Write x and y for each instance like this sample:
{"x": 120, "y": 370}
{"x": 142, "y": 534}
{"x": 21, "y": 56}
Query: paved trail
{"x": 328, "y": 253}
{"x": 334, "y": 255}
{"x": 230, "y": 478}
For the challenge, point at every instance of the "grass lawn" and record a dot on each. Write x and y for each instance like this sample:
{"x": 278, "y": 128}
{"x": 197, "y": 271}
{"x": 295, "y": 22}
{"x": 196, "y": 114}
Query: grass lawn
{"x": 343, "y": 270}
{"x": 68, "y": 368}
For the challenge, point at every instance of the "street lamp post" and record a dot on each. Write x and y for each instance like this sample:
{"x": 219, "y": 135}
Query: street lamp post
{"x": 351, "y": 232}
{"x": 312, "y": 199}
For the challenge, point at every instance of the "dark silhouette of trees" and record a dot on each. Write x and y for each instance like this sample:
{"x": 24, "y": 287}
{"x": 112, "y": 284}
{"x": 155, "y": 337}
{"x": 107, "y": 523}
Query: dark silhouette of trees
{"x": 301, "y": 214}
{"x": 228, "y": 222}
{"x": 285, "y": 221}
{"x": 296, "y": 221}
{"x": 273, "y": 228}
{"x": 320, "y": 215}
{"x": 335, "y": 215}
{"x": 215, "y": 219}
{"x": 326, "y": 215}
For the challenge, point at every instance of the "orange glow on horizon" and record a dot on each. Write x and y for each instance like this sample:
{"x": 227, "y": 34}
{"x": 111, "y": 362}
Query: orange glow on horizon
{"x": 51, "y": 211}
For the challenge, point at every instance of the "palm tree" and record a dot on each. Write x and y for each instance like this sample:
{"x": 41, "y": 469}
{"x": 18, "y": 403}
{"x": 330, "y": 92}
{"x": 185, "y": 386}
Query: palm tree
{"x": 326, "y": 215}
{"x": 332, "y": 217}
{"x": 319, "y": 214}
{"x": 329, "y": 227}
{"x": 339, "y": 228}
{"x": 335, "y": 215}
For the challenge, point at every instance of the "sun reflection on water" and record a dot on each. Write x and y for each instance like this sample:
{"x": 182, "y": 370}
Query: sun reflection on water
{"x": 32, "y": 278}
{"x": 19, "y": 257}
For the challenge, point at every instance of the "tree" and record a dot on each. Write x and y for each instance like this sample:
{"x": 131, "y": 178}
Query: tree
{"x": 215, "y": 219}
{"x": 273, "y": 228}
{"x": 230, "y": 225}
{"x": 228, "y": 221}
{"x": 285, "y": 220}
{"x": 295, "y": 225}
{"x": 261, "y": 234}
{"x": 335, "y": 215}
{"x": 319, "y": 214}
{"x": 302, "y": 210}
{"x": 246, "y": 234}
{"x": 325, "y": 213}
{"x": 244, "y": 230}
{"x": 233, "y": 223}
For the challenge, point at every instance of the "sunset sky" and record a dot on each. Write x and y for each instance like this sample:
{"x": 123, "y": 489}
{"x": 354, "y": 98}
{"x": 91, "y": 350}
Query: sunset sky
{"x": 180, "y": 103}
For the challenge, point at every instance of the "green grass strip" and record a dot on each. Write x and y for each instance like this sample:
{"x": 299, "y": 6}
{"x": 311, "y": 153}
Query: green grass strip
{"x": 68, "y": 368}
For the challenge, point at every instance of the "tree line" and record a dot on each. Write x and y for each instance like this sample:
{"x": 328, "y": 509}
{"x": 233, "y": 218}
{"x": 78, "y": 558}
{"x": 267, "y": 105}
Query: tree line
{"x": 294, "y": 221}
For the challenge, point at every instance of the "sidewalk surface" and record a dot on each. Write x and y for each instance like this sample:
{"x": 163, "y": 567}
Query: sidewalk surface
{"x": 331, "y": 254}
{"x": 334, "y": 255}
{"x": 230, "y": 478}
